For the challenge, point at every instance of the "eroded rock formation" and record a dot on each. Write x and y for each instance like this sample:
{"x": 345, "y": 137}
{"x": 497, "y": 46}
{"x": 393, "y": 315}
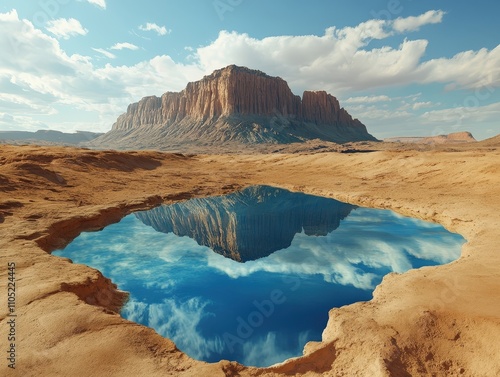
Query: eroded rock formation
{"x": 233, "y": 104}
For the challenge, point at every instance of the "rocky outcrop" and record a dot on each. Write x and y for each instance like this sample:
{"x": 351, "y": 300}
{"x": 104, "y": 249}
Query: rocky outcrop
{"x": 233, "y": 104}
{"x": 322, "y": 108}
{"x": 249, "y": 224}
{"x": 453, "y": 138}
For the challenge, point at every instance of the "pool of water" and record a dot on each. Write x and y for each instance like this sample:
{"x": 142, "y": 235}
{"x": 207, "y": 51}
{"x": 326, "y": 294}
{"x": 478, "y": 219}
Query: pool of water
{"x": 251, "y": 276}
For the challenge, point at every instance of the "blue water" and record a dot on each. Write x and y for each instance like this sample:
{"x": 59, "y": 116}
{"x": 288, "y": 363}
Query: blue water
{"x": 303, "y": 255}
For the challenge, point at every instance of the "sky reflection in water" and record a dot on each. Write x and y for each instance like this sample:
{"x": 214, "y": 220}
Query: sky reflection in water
{"x": 262, "y": 311}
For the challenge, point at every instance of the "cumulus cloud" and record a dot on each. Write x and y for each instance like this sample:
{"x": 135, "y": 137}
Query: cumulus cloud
{"x": 125, "y": 45}
{"x": 341, "y": 60}
{"x": 66, "y": 28}
{"x": 336, "y": 61}
{"x": 150, "y": 26}
{"x": 468, "y": 69}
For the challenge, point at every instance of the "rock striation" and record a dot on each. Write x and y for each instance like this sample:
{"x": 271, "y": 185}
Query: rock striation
{"x": 233, "y": 104}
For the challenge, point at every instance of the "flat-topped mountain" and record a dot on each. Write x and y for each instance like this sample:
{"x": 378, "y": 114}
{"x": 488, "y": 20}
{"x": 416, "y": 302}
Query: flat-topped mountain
{"x": 233, "y": 105}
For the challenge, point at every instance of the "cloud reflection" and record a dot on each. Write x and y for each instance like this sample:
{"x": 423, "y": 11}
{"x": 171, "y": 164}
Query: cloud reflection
{"x": 267, "y": 350}
{"x": 179, "y": 321}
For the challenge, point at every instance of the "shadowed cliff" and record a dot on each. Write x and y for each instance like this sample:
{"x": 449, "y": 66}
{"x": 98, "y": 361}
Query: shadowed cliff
{"x": 249, "y": 224}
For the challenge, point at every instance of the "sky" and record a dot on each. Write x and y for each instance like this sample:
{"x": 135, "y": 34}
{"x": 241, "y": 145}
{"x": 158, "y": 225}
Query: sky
{"x": 403, "y": 67}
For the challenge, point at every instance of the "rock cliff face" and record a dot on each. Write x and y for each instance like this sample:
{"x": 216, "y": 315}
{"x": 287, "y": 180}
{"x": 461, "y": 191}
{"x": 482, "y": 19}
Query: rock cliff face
{"x": 249, "y": 224}
{"x": 233, "y": 104}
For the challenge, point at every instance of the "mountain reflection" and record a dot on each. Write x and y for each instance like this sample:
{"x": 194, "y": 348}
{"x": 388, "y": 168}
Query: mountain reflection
{"x": 251, "y": 223}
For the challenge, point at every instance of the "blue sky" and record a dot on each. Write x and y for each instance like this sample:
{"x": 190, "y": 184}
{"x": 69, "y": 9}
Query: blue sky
{"x": 403, "y": 67}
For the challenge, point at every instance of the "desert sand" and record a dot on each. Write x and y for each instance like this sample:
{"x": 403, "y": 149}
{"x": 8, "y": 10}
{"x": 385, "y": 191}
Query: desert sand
{"x": 439, "y": 321}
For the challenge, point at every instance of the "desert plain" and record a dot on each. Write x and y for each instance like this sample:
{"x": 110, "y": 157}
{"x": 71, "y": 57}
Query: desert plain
{"x": 431, "y": 321}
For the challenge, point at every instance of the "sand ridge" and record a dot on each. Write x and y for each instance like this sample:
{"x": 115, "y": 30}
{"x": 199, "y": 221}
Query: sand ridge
{"x": 432, "y": 321}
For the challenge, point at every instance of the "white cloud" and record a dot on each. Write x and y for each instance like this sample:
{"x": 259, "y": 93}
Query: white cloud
{"x": 105, "y": 53}
{"x": 402, "y": 25}
{"x": 368, "y": 99}
{"x": 20, "y": 123}
{"x": 35, "y": 70}
{"x": 336, "y": 61}
{"x": 461, "y": 116}
{"x": 9, "y": 16}
{"x": 66, "y": 28}
{"x": 160, "y": 30}
{"x": 422, "y": 105}
{"x": 99, "y": 3}
{"x": 10, "y": 100}
{"x": 125, "y": 45}
{"x": 467, "y": 69}
{"x": 341, "y": 61}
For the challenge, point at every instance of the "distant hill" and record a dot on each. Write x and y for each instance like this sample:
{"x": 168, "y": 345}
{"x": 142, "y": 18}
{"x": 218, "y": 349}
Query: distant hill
{"x": 47, "y": 137}
{"x": 453, "y": 138}
{"x": 491, "y": 142}
{"x": 234, "y": 105}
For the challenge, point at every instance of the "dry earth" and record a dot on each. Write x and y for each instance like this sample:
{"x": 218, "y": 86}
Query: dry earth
{"x": 436, "y": 321}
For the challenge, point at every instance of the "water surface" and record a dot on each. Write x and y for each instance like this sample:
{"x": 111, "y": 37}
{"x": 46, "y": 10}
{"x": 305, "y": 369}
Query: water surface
{"x": 251, "y": 276}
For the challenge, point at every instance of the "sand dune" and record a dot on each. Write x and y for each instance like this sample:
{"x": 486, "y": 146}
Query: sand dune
{"x": 439, "y": 321}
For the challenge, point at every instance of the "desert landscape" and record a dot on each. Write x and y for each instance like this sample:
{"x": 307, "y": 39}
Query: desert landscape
{"x": 437, "y": 320}
{"x": 383, "y": 106}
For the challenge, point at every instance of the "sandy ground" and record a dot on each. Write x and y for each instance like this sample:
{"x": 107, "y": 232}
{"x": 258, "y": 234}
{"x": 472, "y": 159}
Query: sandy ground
{"x": 435, "y": 321}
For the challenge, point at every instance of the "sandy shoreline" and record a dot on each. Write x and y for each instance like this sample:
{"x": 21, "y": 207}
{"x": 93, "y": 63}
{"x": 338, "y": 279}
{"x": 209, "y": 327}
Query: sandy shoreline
{"x": 436, "y": 320}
